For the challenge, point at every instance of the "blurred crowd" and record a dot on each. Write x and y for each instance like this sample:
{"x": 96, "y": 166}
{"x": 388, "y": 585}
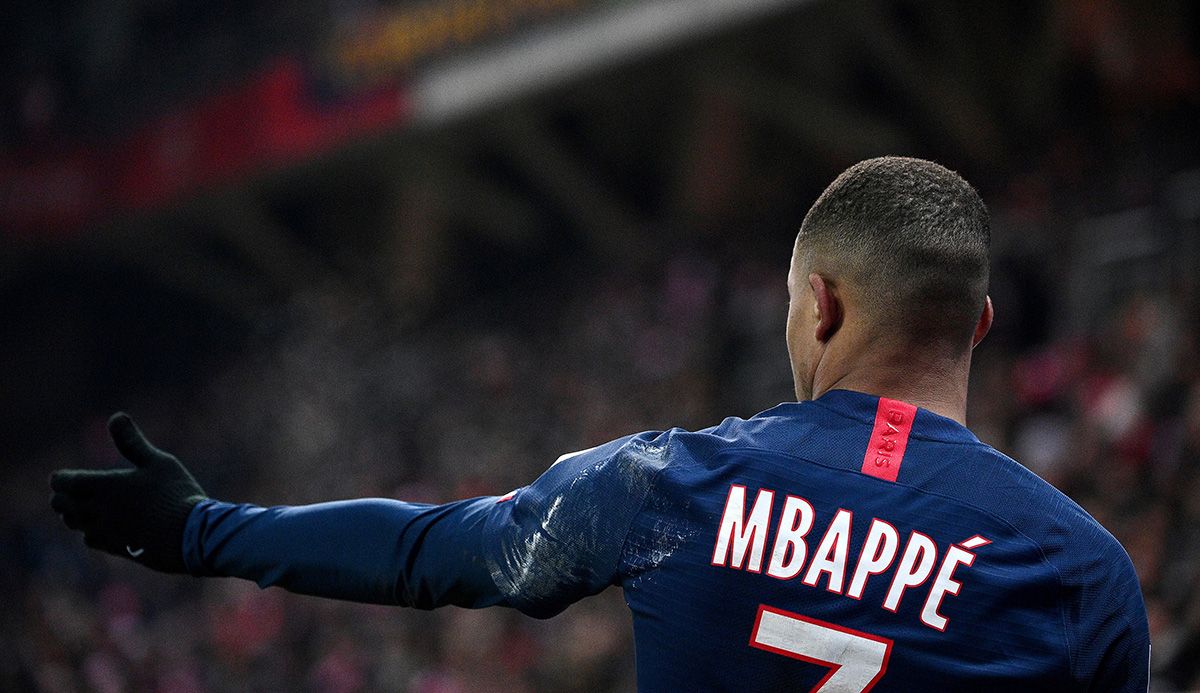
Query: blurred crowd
{"x": 1091, "y": 378}
{"x": 330, "y": 402}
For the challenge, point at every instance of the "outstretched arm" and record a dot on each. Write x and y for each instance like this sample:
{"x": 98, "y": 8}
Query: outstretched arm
{"x": 368, "y": 550}
{"x": 538, "y": 550}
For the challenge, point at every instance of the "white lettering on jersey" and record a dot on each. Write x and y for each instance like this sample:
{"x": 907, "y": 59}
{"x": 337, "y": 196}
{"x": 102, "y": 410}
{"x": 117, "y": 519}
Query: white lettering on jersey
{"x": 787, "y": 559}
{"x": 740, "y": 534}
{"x": 915, "y": 566}
{"x": 830, "y": 556}
{"x": 944, "y": 584}
{"x": 878, "y": 552}
{"x": 741, "y": 544}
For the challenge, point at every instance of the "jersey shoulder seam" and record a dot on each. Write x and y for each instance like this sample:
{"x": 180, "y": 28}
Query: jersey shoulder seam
{"x": 621, "y": 573}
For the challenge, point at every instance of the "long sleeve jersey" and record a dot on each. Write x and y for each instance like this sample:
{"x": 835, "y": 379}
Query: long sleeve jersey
{"x": 849, "y": 543}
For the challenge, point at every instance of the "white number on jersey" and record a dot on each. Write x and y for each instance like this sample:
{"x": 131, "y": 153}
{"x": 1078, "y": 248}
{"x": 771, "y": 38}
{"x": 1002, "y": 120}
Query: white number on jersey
{"x": 857, "y": 660}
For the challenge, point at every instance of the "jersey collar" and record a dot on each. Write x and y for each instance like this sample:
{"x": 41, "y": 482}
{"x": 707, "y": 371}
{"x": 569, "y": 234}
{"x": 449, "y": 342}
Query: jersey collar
{"x": 862, "y": 407}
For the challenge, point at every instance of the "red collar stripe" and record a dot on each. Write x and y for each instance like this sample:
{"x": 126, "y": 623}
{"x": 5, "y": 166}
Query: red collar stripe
{"x": 889, "y": 438}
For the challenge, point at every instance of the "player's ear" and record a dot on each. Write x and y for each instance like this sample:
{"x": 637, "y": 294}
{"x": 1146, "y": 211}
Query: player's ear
{"x": 828, "y": 306}
{"x": 985, "y": 322}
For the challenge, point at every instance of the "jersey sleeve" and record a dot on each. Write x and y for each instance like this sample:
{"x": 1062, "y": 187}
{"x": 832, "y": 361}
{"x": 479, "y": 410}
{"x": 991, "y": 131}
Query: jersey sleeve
{"x": 1120, "y": 659}
{"x": 1106, "y": 617}
{"x": 538, "y": 550}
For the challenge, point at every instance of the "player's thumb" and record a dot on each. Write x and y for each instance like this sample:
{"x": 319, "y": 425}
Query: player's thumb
{"x": 130, "y": 442}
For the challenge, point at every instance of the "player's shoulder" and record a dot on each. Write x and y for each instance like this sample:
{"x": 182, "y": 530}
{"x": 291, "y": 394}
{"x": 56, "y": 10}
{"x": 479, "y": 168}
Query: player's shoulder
{"x": 786, "y": 428}
{"x": 776, "y": 429}
{"x": 1056, "y": 522}
{"x": 1099, "y": 592}
{"x": 1094, "y": 574}
{"x": 653, "y": 450}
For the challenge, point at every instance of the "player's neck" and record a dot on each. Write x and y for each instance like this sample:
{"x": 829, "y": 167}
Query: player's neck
{"x": 937, "y": 385}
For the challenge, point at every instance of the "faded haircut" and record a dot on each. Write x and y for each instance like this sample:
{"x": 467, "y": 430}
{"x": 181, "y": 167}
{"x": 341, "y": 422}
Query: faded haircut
{"x": 910, "y": 238}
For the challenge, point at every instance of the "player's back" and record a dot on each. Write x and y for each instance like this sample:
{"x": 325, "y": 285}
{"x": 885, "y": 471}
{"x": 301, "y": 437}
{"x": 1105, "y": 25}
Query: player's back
{"x": 854, "y": 543}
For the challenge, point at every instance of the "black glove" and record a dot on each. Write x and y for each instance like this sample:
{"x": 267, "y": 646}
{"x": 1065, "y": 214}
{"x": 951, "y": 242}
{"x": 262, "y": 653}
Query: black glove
{"x": 134, "y": 513}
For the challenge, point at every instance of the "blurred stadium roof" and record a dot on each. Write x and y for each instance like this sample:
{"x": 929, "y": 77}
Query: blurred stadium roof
{"x": 222, "y": 156}
{"x": 498, "y": 114}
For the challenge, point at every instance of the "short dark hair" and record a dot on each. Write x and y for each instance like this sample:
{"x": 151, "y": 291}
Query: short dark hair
{"x": 912, "y": 238}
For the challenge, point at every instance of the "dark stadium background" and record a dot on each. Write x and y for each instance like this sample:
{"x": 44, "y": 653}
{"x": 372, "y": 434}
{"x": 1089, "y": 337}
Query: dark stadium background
{"x": 332, "y": 249}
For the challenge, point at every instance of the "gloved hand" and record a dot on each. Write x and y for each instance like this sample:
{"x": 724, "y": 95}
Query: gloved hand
{"x": 138, "y": 513}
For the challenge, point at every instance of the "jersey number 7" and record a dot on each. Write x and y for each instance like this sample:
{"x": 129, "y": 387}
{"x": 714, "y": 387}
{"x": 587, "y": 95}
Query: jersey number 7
{"x": 856, "y": 660}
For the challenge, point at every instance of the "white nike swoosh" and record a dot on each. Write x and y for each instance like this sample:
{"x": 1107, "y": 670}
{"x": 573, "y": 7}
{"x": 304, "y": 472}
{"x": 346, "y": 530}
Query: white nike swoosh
{"x": 133, "y": 553}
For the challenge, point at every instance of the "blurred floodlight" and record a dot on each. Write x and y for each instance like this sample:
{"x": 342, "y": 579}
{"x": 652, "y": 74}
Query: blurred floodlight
{"x": 604, "y": 37}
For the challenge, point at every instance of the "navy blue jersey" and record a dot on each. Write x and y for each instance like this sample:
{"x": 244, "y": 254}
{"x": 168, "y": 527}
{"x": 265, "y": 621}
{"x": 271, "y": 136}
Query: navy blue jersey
{"x": 850, "y": 543}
